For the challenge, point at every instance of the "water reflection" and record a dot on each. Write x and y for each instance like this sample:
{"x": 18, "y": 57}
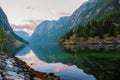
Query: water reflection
{"x": 31, "y": 59}
{"x": 103, "y": 62}
{"x": 50, "y": 58}
{"x": 74, "y": 62}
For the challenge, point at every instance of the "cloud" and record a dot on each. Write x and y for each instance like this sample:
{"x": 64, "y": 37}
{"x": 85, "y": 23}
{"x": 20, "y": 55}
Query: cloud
{"x": 14, "y": 26}
{"x": 59, "y": 13}
{"x": 30, "y": 24}
{"x": 28, "y": 27}
{"x": 34, "y": 22}
{"x": 63, "y": 13}
{"x": 31, "y": 59}
{"x": 63, "y": 67}
{"x": 30, "y": 7}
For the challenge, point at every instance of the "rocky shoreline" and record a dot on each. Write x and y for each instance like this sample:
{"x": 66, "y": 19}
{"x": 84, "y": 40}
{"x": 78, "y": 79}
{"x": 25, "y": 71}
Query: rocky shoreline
{"x": 117, "y": 42}
{"x": 12, "y": 68}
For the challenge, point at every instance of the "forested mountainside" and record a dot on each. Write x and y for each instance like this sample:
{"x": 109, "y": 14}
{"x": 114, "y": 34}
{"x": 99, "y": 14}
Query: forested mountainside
{"x": 8, "y": 39}
{"x": 105, "y": 29}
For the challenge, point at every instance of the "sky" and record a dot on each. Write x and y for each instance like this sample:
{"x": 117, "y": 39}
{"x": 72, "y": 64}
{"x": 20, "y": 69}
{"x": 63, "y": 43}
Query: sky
{"x": 27, "y": 14}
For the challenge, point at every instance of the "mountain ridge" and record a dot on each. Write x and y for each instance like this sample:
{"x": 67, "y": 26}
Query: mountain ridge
{"x": 45, "y": 30}
{"x": 13, "y": 41}
{"x": 86, "y": 12}
{"x": 23, "y": 35}
{"x": 103, "y": 30}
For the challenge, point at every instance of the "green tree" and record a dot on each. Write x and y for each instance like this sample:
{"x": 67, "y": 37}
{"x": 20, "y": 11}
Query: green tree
{"x": 79, "y": 32}
{"x": 112, "y": 29}
{"x": 3, "y": 39}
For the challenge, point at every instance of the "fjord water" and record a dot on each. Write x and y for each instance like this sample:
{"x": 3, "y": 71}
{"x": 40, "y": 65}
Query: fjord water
{"x": 74, "y": 62}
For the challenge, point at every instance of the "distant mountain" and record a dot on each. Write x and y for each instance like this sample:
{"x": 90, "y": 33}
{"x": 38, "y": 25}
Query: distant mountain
{"x": 13, "y": 41}
{"x": 23, "y": 34}
{"x": 44, "y": 33}
{"x": 86, "y": 12}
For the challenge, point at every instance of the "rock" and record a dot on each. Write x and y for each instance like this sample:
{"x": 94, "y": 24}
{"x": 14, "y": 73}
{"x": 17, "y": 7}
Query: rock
{"x": 117, "y": 41}
{"x": 9, "y": 61}
{"x": 2, "y": 65}
{"x": 3, "y": 57}
{"x": 51, "y": 74}
{"x": 9, "y": 66}
{"x": 17, "y": 70}
{"x": 37, "y": 78}
{"x": 25, "y": 70}
{"x": 27, "y": 77}
{"x": 1, "y": 77}
{"x": 9, "y": 75}
{"x": 12, "y": 78}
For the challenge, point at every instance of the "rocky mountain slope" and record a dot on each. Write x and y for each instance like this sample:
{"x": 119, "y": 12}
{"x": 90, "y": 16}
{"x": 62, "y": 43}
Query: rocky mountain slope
{"x": 12, "y": 40}
{"x": 103, "y": 28}
{"x": 92, "y": 9}
{"x": 23, "y": 35}
{"x": 44, "y": 32}
{"x": 89, "y": 10}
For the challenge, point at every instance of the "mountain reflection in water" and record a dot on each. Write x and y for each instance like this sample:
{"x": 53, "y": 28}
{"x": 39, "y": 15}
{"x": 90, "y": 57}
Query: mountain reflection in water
{"x": 74, "y": 62}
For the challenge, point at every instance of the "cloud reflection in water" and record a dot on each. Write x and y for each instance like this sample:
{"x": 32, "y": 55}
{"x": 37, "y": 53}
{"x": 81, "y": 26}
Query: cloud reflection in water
{"x": 65, "y": 71}
{"x": 33, "y": 61}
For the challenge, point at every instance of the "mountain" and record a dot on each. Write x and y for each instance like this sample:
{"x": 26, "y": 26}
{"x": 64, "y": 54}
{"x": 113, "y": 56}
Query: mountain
{"x": 45, "y": 31}
{"x": 102, "y": 28}
{"x": 86, "y": 12}
{"x": 12, "y": 40}
{"x": 91, "y": 9}
{"x": 23, "y": 35}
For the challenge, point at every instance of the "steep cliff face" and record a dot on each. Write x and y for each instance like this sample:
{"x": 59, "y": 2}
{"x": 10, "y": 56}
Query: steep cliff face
{"x": 44, "y": 33}
{"x": 13, "y": 41}
{"x": 4, "y": 21}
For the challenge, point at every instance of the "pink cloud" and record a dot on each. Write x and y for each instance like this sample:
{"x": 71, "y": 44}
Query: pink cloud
{"x": 64, "y": 13}
{"x": 34, "y": 22}
{"x": 30, "y": 24}
{"x": 31, "y": 60}
{"x": 63, "y": 67}
{"x": 59, "y": 14}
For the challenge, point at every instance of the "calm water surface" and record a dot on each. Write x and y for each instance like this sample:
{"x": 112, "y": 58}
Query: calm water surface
{"x": 74, "y": 62}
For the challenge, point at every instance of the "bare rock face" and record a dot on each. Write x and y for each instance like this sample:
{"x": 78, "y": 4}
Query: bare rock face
{"x": 47, "y": 31}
